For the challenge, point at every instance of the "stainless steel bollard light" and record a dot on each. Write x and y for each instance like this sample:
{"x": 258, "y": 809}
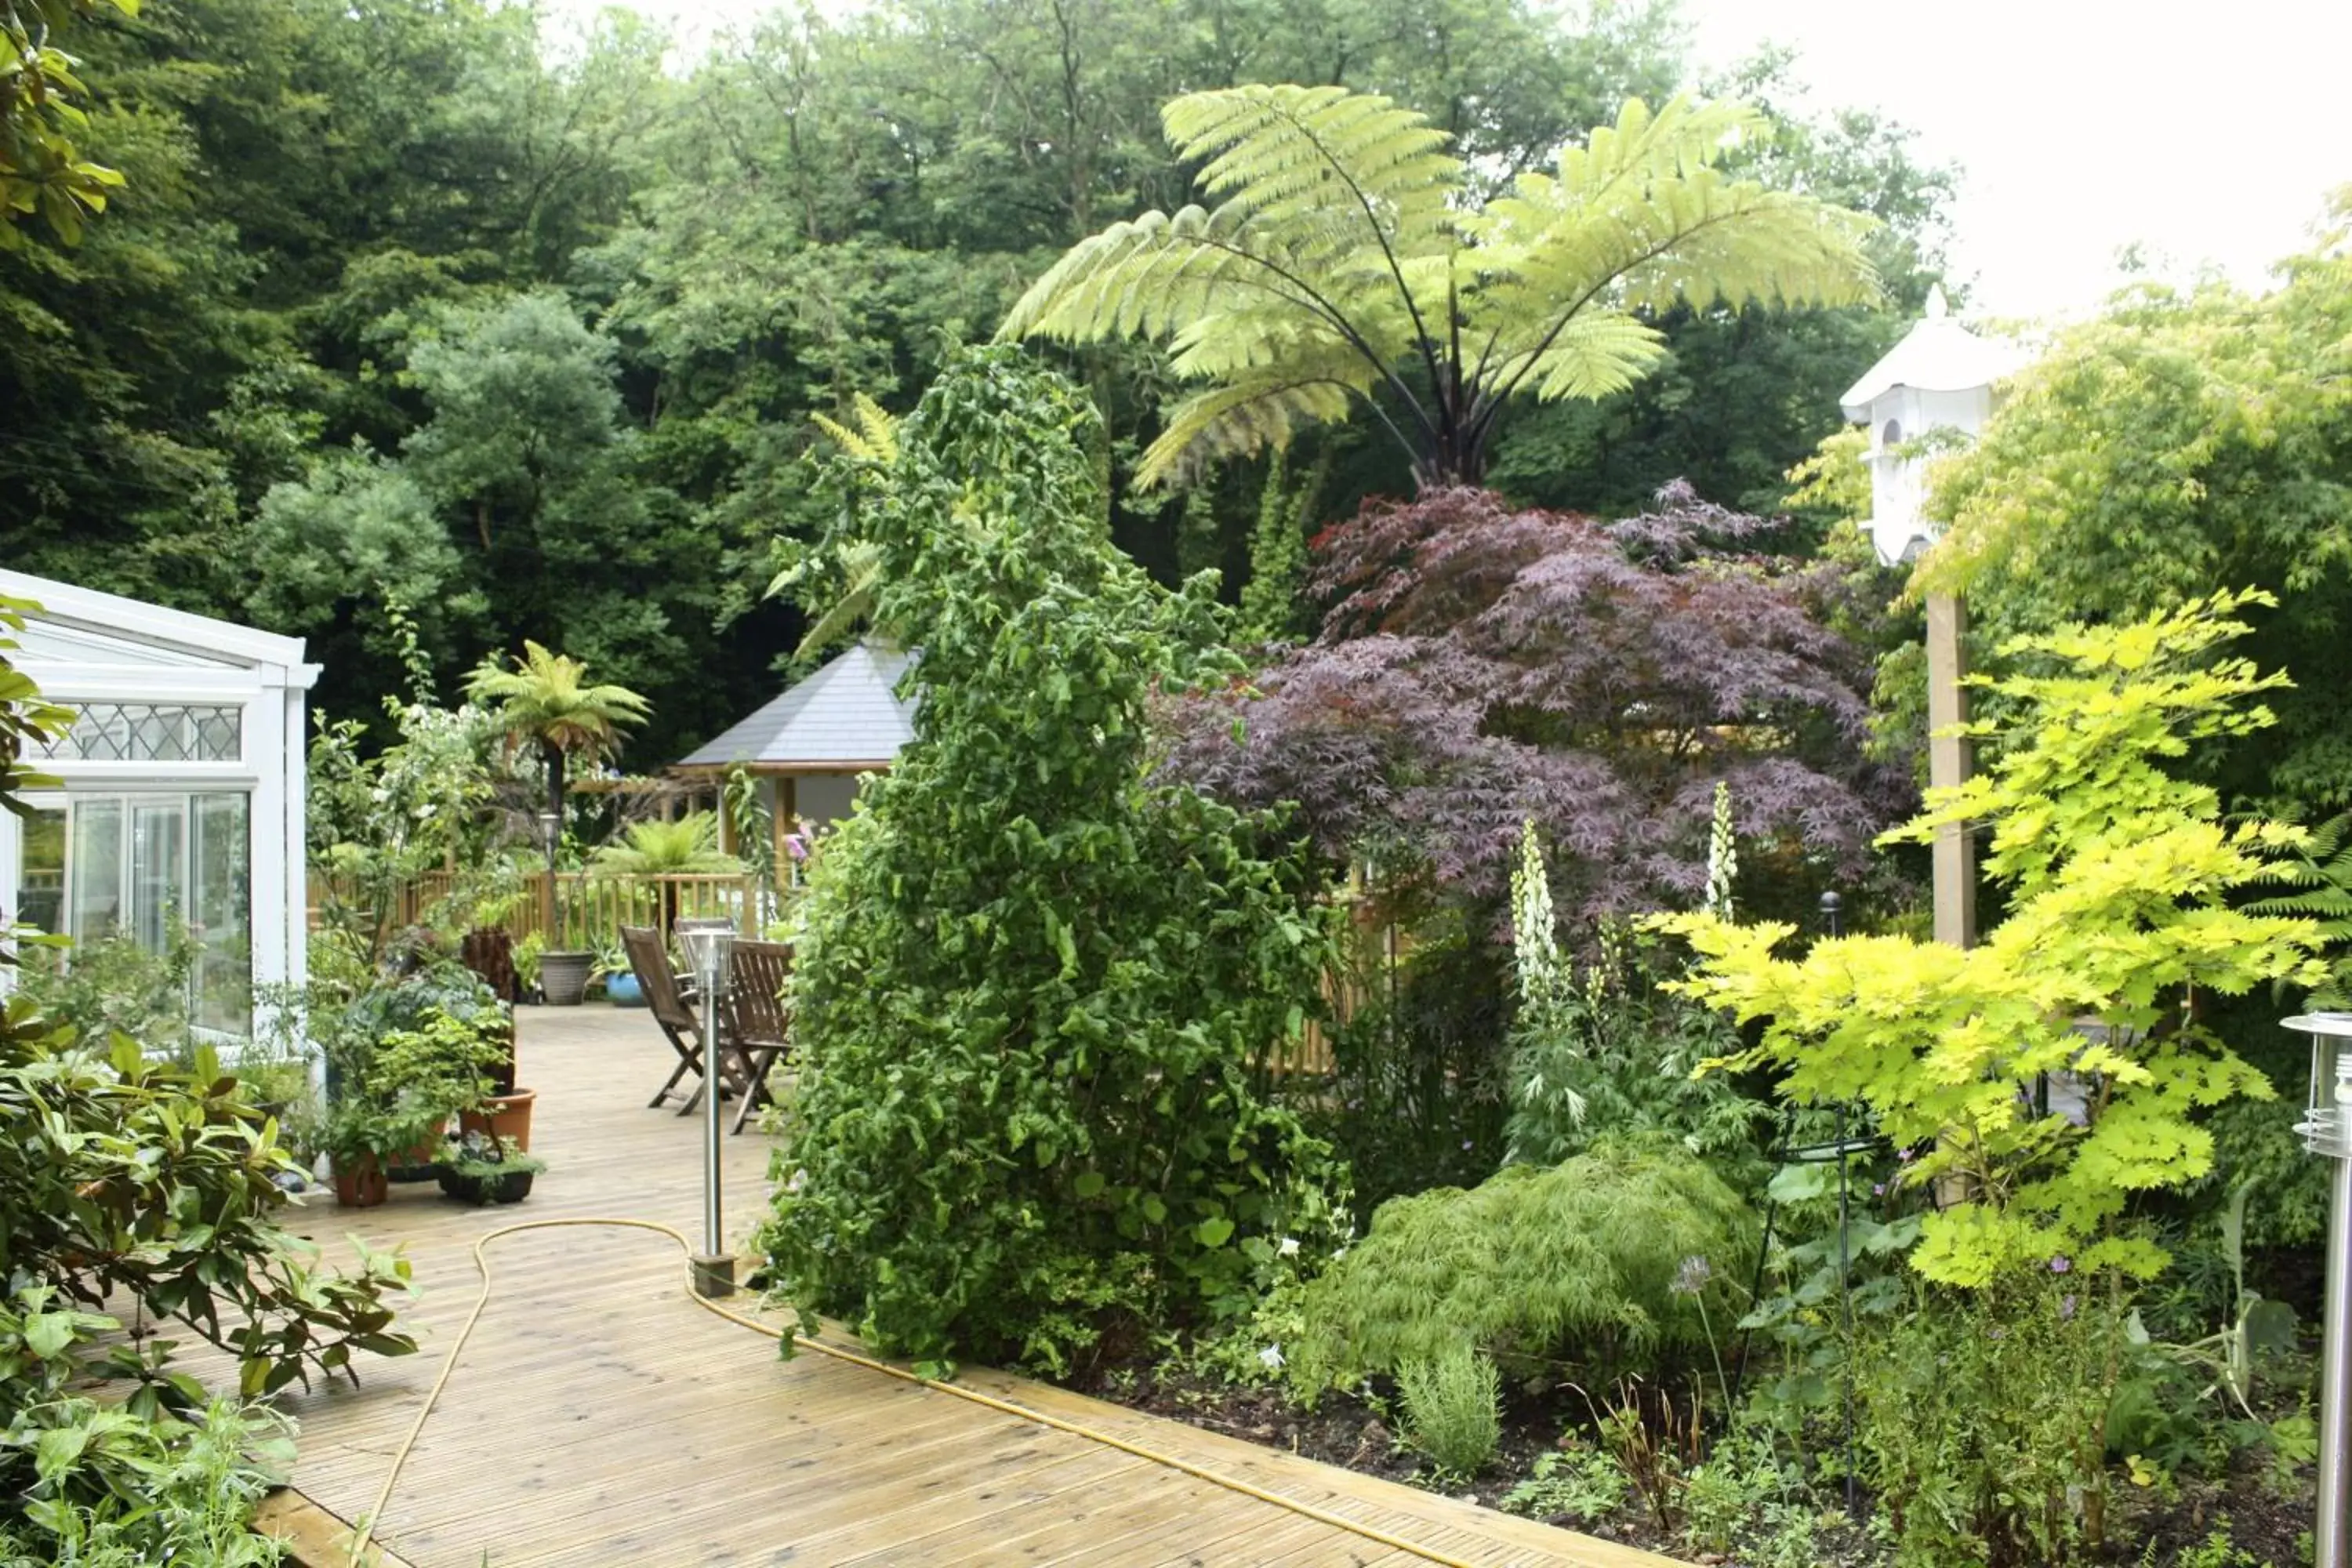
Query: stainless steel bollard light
{"x": 2327, "y": 1129}
{"x": 711, "y": 950}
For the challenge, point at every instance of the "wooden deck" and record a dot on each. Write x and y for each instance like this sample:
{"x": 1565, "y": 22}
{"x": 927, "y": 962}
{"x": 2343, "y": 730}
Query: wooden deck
{"x": 599, "y": 1416}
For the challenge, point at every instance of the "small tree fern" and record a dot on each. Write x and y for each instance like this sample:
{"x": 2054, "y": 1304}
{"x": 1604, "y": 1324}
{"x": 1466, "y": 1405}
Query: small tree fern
{"x": 1342, "y": 264}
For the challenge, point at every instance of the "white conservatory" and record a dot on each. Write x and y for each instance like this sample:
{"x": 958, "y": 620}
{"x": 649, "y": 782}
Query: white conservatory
{"x": 183, "y": 789}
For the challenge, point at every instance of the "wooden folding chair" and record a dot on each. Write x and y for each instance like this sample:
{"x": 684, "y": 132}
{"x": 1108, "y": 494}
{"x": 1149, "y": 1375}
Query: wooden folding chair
{"x": 758, "y": 1026}
{"x": 670, "y": 1010}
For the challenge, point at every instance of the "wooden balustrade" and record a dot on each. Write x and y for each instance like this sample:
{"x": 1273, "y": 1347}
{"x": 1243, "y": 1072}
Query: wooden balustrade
{"x": 591, "y": 909}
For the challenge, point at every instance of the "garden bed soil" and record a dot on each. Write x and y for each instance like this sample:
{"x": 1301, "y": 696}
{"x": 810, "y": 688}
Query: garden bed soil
{"x": 2155, "y": 1527}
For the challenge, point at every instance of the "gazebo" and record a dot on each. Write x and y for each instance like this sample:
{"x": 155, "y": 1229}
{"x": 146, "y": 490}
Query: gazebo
{"x": 181, "y": 789}
{"x": 808, "y": 746}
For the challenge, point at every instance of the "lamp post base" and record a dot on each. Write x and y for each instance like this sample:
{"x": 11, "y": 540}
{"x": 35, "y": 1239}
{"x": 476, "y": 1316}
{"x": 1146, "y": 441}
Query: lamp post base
{"x": 714, "y": 1277}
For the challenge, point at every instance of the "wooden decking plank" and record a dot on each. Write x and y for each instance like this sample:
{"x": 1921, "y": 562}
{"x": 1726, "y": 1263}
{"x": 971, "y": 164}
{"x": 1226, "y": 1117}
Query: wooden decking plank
{"x": 597, "y": 1416}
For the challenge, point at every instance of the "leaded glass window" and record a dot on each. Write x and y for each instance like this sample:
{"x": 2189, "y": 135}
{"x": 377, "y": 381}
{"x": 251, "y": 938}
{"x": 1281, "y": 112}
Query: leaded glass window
{"x": 152, "y": 732}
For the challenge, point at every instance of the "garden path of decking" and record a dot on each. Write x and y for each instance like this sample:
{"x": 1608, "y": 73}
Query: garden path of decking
{"x": 599, "y": 1416}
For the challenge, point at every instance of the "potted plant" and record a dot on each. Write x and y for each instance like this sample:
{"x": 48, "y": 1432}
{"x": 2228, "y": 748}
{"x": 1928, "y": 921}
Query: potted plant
{"x": 480, "y": 1169}
{"x": 621, "y": 987}
{"x": 563, "y": 970}
{"x": 357, "y": 1136}
{"x": 426, "y": 1075}
{"x": 506, "y": 1117}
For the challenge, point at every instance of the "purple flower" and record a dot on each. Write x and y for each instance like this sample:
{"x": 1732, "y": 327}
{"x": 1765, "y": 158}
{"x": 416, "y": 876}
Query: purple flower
{"x": 2066, "y": 1306}
{"x": 1905, "y": 1156}
{"x": 796, "y": 846}
{"x": 1996, "y": 1334}
{"x": 1878, "y": 1189}
{"x": 2061, "y": 1264}
{"x": 1466, "y": 1143}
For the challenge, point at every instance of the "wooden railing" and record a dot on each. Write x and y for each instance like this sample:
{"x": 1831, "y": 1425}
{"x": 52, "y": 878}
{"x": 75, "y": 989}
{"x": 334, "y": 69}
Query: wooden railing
{"x": 590, "y": 910}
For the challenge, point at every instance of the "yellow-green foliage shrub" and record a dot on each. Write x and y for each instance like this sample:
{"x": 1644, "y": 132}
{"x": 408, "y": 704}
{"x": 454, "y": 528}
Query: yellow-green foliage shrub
{"x": 1587, "y": 1262}
{"x": 2120, "y": 880}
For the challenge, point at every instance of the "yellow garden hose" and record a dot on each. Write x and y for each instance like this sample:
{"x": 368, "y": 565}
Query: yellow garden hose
{"x": 1005, "y": 1406}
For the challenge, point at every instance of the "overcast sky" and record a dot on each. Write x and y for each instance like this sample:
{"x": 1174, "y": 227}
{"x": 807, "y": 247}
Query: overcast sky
{"x": 2207, "y": 134}
{"x": 2212, "y": 134}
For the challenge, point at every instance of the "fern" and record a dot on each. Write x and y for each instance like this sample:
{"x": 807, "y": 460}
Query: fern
{"x": 2320, "y": 871}
{"x": 1340, "y": 255}
{"x": 1575, "y": 1263}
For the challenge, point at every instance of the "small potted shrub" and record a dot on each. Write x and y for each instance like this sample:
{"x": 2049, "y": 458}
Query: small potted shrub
{"x": 359, "y": 1138}
{"x": 480, "y": 1169}
{"x": 439, "y": 1069}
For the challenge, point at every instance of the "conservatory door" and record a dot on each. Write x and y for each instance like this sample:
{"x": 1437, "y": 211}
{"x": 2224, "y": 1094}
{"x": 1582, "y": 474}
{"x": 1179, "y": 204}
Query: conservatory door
{"x": 158, "y": 871}
{"x": 140, "y": 866}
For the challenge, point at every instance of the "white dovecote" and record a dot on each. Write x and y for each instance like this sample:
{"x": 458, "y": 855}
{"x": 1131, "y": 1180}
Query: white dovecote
{"x": 1940, "y": 377}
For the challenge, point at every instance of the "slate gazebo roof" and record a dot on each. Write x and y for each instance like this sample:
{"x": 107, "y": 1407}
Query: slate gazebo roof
{"x": 844, "y": 719}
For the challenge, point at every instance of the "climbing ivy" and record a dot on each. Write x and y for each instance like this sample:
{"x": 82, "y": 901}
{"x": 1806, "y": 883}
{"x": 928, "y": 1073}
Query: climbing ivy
{"x": 1034, "y": 989}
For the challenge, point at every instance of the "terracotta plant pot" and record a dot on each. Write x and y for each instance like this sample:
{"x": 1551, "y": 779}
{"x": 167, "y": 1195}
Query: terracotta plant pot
{"x": 563, "y": 977}
{"x": 508, "y": 1119}
{"x": 362, "y": 1187}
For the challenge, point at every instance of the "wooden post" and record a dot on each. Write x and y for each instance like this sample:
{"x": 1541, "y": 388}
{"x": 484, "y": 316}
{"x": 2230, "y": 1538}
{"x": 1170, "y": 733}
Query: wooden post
{"x": 1949, "y": 762}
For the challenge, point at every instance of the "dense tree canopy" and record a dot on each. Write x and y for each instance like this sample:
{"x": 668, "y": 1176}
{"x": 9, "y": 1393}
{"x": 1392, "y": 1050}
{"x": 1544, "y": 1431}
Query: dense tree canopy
{"x": 2181, "y": 440}
{"x": 419, "y": 301}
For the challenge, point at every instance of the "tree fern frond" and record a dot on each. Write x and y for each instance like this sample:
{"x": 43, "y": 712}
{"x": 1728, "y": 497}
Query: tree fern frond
{"x": 876, "y": 439}
{"x": 1340, "y": 234}
{"x": 1153, "y": 276}
{"x": 1238, "y": 420}
{"x": 1284, "y": 154}
{"x": 1596, "y": 353}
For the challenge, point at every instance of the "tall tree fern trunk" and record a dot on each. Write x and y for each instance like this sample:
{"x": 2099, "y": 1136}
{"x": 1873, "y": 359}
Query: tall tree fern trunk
{"x": 551, "y": 756}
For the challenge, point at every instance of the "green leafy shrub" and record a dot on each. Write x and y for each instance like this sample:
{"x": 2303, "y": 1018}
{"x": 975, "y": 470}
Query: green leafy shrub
{"x": 1453, "y": 1407}
{"x": 125, "y": 1174}
{"x": 1981, "y": 1421}
{"x": 1579, "y": 1263}
{"x": 1033, "y": 989}
{"x": 1576, "y": 1479}
{"x": 163, "y": 1477}
{"x": 114, "y": 986}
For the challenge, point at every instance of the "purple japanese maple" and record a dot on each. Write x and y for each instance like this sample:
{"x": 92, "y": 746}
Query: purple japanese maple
{"x": 1479, "y": 665}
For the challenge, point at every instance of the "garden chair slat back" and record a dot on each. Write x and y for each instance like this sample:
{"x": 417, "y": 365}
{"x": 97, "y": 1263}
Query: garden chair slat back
{"x": 650, "y": 964}
{"x": 759, "y": 1024}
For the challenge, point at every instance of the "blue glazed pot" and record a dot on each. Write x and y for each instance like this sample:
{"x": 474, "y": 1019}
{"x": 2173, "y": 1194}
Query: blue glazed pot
{"x": 622, "y": 991}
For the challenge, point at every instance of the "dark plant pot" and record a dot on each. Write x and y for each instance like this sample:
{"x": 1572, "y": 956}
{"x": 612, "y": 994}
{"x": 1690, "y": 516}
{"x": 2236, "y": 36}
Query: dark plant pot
{"x": 415, "y": 1163}
{"x": 509, "y": 1188}
{"x": 563, "y": 977}
{"x": 622, "y": 991}
{"x": 363, "y": 1187}
{"x": 508, "y": 1119}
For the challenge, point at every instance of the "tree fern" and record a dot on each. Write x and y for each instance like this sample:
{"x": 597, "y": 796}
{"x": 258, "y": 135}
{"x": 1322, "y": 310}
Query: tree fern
{"x": 2321, "y": 874}
{"x": 852, "y": 573}
{"x": 1341, "y": 266}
